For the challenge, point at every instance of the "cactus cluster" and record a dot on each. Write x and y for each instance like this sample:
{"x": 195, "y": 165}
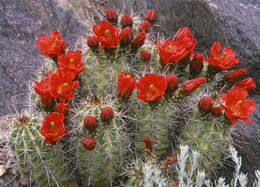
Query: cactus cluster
{"x": 127, "y": 98}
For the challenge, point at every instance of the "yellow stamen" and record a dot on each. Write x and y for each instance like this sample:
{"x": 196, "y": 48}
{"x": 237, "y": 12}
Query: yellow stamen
{"x": 239, "y": 102}
{"x": 151, "y": 86}
{"x": 128, "y": 76}
{"x": 72, "y": 60}
{"x": 56, "y": 40}
{"x": 224, "y": 54}
{"x": 169, "y": 47}
{"x": 52, "y": 124}
{"x": 65, "y": 84}
{"x": 107, "y": 31}
{"x": 46, "y": 86}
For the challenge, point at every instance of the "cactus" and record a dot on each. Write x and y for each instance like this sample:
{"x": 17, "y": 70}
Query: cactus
{"x": 88, "y": 128}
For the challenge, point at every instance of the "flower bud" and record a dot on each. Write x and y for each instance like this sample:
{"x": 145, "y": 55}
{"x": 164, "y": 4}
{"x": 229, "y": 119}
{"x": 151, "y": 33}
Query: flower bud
{"x": 89, "y": 143}
{"x": 235, "y": 74}
{"x": 216, "y": 111}
{"x": 111, "y": 15}
{"x": 191, "y": 85}
{"x": 127, "y": 36}
{"x": 205, "y": 104}
{"x": 63, "y": 108}
{"x": 92, "y": 42}
{"x": 150, "y": 15}
{"x": 145, "y": 26}
{"x": 138, "y": 41}
{"x": 196, "y": 64}
{"x": 106, "y": 115}
{"x": 90, "y": 122}
{"x": 146, "y": 55}
{"x": 148, "y": 143}
{"x": 126, "y": 20}
{"x": 172, "y": 82}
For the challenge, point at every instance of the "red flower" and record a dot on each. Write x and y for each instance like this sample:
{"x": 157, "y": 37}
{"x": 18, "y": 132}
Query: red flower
{"x": 53, "y": 127}
{"x": 126, "y": 36}
{"x": 205, "y": 104}
{"x": 146, "y": 55}
{"x": 125, "y": 85}
{"x": 92, "y": 42}
{"x": 191, "y": 85}
{"x": 235, "y": 105}
{"x": 43, "y": 88}
{"x": 89, "y": 143}
{"x": 62, "y": 85}
{"x": 172, "y": 82}
{"x": 222, "y": 60}
{"x": 151, "y": 87}
{"x": 90, "y": 122}
{"x": 139, "y": 40}
{"x": 170, "y": 52}
{"x": 53, "y": 46}
{"x": 111, "y": 15}
{"x": 63, "y": 108}
{"x": 145, "y": 26}
{"x": 150, "y": 15}
{"x": 126, "y": 20}
{"x": 71, "y": 62}
{"x": 247, "y": 84}
{"x": 107, "y": 34}
{"x": 106, "y": 115}
{"x": 186, "y": 39}
{"x": 196, "y": 64}
{"x": 148, "y": 143}
{"x": 235, "y": 74}
{"x": 216, "y": 111}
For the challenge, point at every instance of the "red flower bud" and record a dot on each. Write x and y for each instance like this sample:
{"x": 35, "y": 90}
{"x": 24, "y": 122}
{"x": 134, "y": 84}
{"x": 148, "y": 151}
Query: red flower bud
{"x": 196, "y": 64}
{"x": 205, "y": 104}
{"x": 139, "y": 40}
{"x": 126, "y": 20}
{"x": 148, "y": 143}
{"x": 235, "y": 74}
{"x": 107, "y": 114}
{"x": 63, "y": 108}
{"x": 170, "y": 160}
{"x": 216, "y": 111}
{"x": 246, "y": 84}
{"x": 126, "y": 85}
{"x": 111, "y": 15}
{"x": 150, "y": 15}
{"x": 145, "y": 26}
{"x": 90, "y": 122}
{"x": 92, "y": 42}
{"x": 172, "y": 82}
{"x": 127, "y": 36}
{"x": 191, "y": 85}
{"x": 89, "y": 143}
{"x": 146, "y": 55}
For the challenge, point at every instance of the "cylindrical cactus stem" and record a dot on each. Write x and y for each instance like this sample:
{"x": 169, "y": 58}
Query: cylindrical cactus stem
{"x": 100, "y": 162}
{"x": 37, "y": 160}
{"x": 207, "y": 135}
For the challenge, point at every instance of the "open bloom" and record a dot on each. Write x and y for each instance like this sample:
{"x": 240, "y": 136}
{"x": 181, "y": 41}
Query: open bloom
{"x": 222, "y": 59}
{"x": 71, "y": 62}
{"x": 151, "y": 87}
{"x": 52, "y": 46}
{"x": 62, "y": 85}
{"x": 106, "y": 34}
{"x": 247, "y": 84}
{"x": 186, "y": 39}
{"x": 53, "y": 127}
{"x": 236, "y": 106}
{"x": 191, "y": 85}
{"x": 43, "y": 88}
{"x": 235, "y": 74}
{"x": 125, "y": 85}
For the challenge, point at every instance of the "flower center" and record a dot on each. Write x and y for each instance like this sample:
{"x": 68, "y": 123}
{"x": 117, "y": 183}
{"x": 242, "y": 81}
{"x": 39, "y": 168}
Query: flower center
{"x": 169, "y": 47}
{"x": 151, "y": 86}
{"x": 46, "y": 86}
{"x": 224, "y": 54}
{"x": 239, "y": 102}
{"x": 52, "y": 124}
{"x": 72, "y": 60}
{"x": 65, "y": 84}
{"x": 56, "y": 40}
{"x": 107, "y": 31}
{"x": 128, "y": 76}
